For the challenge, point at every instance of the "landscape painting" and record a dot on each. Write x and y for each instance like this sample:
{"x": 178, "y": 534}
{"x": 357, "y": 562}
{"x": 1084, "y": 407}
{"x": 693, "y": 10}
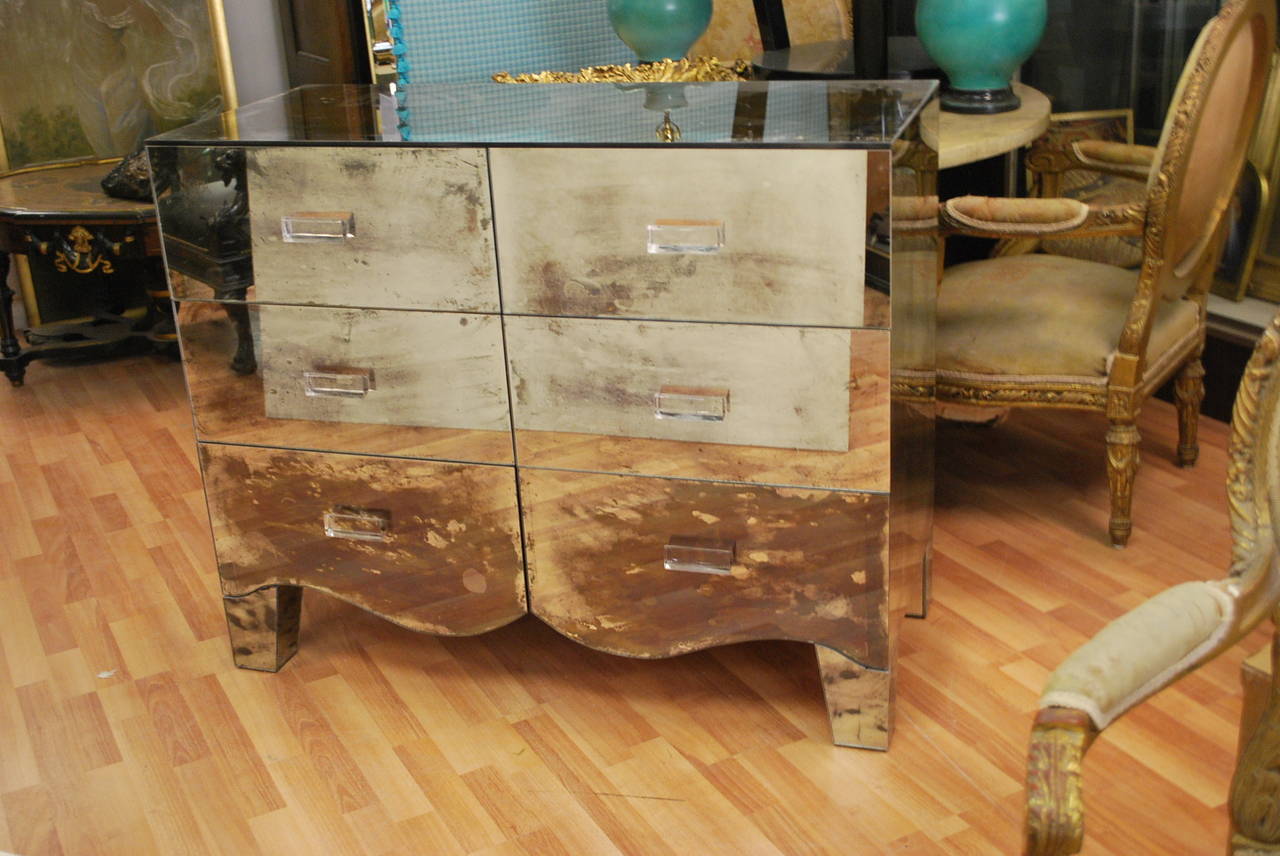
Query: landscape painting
{"x": 94, "y": 78}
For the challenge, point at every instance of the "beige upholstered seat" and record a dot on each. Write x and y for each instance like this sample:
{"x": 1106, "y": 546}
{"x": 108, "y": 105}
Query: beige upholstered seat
{"x": 1041, "y": 330}
{"x": 1171, "y": 634}
{"x": 1039, "y": 316}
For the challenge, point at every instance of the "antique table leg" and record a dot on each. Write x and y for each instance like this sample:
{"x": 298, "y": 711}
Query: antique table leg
{"x": 857, "y": 700}
{"x": 264, "y": 627}
{"x": 10, "y": 351}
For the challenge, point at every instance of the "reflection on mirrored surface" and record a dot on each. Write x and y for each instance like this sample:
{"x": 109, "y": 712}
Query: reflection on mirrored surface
{"x": 915, "y": 272}
{"x": 202, "y": 198}
{"x": 750, "y": 112}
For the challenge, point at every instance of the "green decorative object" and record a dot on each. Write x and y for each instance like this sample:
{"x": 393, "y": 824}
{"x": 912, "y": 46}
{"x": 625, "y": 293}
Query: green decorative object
{"x": 659, "y": 29}
{"x": 980, "y": 44}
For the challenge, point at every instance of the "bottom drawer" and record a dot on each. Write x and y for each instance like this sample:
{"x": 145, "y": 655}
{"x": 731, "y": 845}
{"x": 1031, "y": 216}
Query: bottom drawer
{"x": 652, "y": 567}
{"x": 432, "y": 546}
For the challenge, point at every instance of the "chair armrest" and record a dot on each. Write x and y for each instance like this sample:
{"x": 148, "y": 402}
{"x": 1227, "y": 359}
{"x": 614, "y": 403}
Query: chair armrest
{"x": 1048, "y": 155}
{"x": 1142, "y": 651}
{"x": 915, "y": 214}
{"x": 1130, "y": 659}
{"x": 997, "y": 217}
{"x": 1122, "y": 159}
{"x": 1007, "y": 218}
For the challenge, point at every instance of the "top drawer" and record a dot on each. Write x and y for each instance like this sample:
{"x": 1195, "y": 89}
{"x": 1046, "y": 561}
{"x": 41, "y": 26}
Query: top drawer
{"x": 774, "y": 236}
{"x": 375, "y": 228}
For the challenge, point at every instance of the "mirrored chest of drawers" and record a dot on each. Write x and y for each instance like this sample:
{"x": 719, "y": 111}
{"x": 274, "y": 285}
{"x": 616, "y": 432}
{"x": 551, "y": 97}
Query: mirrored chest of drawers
{"x": 459, "y": 354}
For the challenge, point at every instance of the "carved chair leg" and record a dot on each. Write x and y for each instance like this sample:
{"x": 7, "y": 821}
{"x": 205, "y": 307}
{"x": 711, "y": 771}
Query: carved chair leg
{"x": 264, "y": 627}
{"x": 1122, "y": 467}
{"x": 1255, "y": 788}
{"x": 858, "y": 700}
{"x": 1188, "y": 393}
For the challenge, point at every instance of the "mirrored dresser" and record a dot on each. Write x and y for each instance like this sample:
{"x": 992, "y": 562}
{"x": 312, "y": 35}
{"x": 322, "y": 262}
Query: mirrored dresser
{"x": 652, "y": 363}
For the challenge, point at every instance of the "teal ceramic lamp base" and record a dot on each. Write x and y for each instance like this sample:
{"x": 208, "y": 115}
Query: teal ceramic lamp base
{"x": 980, "y": 44}
{"x": 980, "y": 101}
{"x": 659, "y": 29}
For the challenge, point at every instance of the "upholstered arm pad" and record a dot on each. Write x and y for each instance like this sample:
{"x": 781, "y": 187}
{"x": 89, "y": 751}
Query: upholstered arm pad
{"x": 1142, "y": 651}
{"x": 915, "y": 213}
{"x": 993, "y": 217}
{"x": 1121, "y": 159}
{"x": 1013, "y": 218}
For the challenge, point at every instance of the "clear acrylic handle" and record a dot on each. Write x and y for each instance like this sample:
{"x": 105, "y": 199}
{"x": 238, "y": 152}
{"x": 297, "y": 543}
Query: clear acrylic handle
{"x": 698, "y": 555}
{"x": 691, "y": 403}
{"x": 317, "y": 227}
{"x": 685, "y": 237}
{"x": 357, "y": 524}
{"x": 338, "y": 383}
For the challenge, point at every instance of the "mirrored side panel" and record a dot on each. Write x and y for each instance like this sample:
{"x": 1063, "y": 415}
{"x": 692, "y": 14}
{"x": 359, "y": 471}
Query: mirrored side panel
{"x": 914, "y": 272}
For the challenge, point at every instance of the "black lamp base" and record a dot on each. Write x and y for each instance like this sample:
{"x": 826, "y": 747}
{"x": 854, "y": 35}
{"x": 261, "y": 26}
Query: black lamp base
{"x": 980, "y": 100}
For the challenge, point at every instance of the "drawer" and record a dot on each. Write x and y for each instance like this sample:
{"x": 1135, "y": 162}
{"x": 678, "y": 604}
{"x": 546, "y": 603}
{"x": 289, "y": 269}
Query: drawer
{"x": 432, "y": 546}
{"x": 422, "y": 384}
{"x": 651, "y": 567}
{"x": 383, "y": 228}
{"x": 720, "y": 235}
{"x": 780, "y": 405}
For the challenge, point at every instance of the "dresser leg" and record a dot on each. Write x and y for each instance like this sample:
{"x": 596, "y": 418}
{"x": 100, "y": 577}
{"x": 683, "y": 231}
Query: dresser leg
{"x": 264, "y": 627}
{"x": 857, "y": 700}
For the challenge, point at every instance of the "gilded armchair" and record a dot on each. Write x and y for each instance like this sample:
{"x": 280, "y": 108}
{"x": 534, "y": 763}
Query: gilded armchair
{"x": 1171, "y": 634}
{"x": 1044, "y": 330}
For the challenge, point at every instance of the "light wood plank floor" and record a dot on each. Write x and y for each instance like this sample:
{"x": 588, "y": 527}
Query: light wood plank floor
{"x": 124, "y": 728}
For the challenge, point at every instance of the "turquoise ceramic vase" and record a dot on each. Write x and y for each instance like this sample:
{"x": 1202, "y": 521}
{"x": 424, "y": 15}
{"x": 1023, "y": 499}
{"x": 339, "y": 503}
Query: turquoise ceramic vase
{"x": 659, "y": 29}
{"x": 980, "y": 44}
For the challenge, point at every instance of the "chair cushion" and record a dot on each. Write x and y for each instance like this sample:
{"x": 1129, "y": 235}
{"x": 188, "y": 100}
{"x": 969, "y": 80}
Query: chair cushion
{"x": 1044, "y": 316}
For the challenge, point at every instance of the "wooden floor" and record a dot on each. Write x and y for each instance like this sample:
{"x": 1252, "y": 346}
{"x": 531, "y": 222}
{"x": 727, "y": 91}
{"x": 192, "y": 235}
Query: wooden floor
{"x": 124, "y": 728}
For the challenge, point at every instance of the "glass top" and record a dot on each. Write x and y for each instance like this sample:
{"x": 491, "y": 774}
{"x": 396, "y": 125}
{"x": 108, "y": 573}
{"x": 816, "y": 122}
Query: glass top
{"x": 844, "y": 113}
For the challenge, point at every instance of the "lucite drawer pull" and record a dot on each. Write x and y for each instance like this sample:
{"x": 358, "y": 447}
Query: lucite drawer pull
{"x": 698, "y": 555}
{"x": 338, "y": 383}
{"x": 699, "y": 237}
{"x": 691, "y": 403}
{"x": 357, "y": 524}
{"x": 317, "y": 227}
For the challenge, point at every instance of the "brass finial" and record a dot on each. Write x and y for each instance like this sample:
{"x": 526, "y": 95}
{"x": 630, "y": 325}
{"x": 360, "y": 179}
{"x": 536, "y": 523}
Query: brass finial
{"x": 668, "y": 131}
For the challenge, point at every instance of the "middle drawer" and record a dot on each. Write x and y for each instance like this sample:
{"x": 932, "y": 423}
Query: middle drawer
{"x": 774, "y": 405}
{"x": 419, "y": 384}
